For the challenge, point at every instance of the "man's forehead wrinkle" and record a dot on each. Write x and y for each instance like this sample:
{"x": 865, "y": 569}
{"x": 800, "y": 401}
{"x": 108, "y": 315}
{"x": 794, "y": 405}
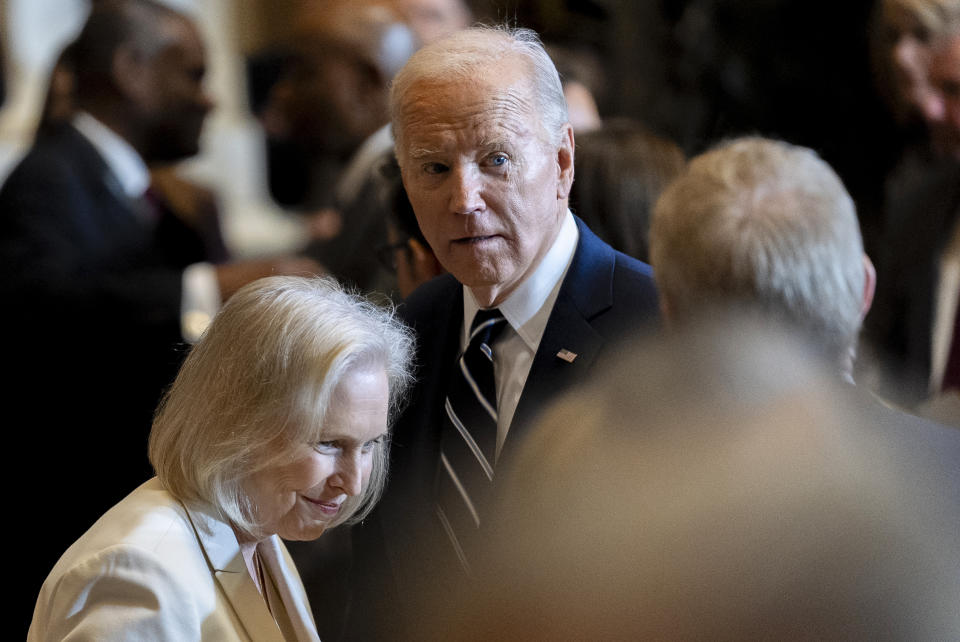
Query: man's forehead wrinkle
{"x": 508, "y": 111}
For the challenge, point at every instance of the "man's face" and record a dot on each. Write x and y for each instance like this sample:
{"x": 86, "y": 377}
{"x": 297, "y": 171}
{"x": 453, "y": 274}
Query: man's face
{"x": 174, "y": 104}
{"x": 488, "y": 190}
{"x": 328, "y": 101}
{"x": 942, "y": 111}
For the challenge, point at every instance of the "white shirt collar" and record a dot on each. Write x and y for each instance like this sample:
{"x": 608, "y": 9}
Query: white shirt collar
{"x": 122, "y": 159}
{"x": 528, "y": 308}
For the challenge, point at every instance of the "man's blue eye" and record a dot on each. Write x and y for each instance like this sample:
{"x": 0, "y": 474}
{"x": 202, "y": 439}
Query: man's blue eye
{"x": 498, "y": 160}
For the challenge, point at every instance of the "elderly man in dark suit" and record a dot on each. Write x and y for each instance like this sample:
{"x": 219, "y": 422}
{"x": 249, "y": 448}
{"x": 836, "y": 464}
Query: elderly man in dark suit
{"x": 101, "y": 283}
{"x": 532, "y": 305}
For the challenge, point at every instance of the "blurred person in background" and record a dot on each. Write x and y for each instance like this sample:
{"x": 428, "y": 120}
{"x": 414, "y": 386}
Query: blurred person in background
{"x": 433, "y": 19}
{"x": 325, "y": 121}
{"x": 105, "y": 285}
{"x": 621, "y": 170}
{"x": 941, "y": 109}
{"x": 913, "y": 325}
{"x": 407, "y": 252}
{"x": 905, "y": 31}
{"x": 715, "y": 484}
{"x": 768, "y": 225}
{"x": 276, "y": 426}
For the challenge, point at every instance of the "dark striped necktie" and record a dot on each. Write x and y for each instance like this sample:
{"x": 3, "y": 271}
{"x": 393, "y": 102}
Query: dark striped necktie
{"x": 469, "y": 438}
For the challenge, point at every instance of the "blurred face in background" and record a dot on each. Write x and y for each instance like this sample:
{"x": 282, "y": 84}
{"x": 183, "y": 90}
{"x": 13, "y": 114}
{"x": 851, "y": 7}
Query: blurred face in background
{"x": 907, "y": 56}
{"x": 172, "y": 99}
{"x": 941, "y": 110}
{"x": 431, "y": 20}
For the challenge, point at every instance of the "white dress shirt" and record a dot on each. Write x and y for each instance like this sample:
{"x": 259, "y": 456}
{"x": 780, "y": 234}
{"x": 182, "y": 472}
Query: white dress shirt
{"x": 200, "y": 298}
{"x": 527, "y": 311}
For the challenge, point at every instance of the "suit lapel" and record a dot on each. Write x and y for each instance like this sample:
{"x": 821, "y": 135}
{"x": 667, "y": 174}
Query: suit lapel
{"x": 220, "y": 547}
{"x": 586, "y": 291}
{"x": 291, "y": 591}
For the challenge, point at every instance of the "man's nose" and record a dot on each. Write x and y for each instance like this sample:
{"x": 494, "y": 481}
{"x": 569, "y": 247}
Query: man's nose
{"x": 466, "y": 190}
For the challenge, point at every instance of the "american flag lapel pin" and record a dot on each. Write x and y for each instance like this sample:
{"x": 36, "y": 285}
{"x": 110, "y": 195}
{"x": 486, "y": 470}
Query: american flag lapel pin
{"x": 567, "y": 356}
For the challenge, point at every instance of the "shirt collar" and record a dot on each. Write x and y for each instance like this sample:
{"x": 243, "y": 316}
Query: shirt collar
{"x": 122, "y": 159}
{"x": 527, "y": 309}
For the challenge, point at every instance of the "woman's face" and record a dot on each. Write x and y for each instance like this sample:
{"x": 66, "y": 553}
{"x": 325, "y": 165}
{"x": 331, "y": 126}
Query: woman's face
{"x": 908, "y": 47}
{"x": 297, "y": 500}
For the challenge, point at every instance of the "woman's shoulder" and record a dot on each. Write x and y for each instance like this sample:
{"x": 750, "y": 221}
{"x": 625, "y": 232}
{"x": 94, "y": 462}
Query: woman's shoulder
{"x": 143, "y": 552}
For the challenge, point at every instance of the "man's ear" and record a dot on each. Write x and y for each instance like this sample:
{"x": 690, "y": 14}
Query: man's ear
{"x": 565, "y": 163}
{"x": 131, "y": 74}
{"x": 869, "y": 286}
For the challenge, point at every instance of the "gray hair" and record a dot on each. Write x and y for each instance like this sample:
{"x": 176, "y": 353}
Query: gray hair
{"x": 257, "y": 385}
{"x": 460, "y": 56}
{"x": 767, "y": 225}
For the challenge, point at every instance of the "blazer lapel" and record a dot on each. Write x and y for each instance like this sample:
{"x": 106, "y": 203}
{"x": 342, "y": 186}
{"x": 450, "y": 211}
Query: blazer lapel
{"x": 291, "y": 590}
{"x": 220, "y": 547}
{"x": 570, "y": 343}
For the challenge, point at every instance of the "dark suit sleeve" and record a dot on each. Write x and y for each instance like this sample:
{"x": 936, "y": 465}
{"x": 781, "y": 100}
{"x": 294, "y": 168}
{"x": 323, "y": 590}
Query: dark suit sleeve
{"x": 70, "y": 244}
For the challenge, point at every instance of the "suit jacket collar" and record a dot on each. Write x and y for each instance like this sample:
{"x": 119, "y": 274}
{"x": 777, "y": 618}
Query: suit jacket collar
{"x": 586, "y": 292}
{"x": 222, "y": 551}
{"x": 87, "y": 161}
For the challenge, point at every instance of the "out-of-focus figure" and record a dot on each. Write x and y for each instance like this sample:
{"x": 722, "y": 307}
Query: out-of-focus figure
{"x": 621, "y": 170}
{"x": 906, "y": 31}
{"x": 913, "y": 324}
{"x": 717, "y": 485}
{"x": 407, "y": 252}
{"x": 766, "y": 225}
{"x": 104, "y": 283}
{"x": 941, "y": 109}
{"x": 581, "y": 75}
{"x": 325, "y": 120}
{"x": 433, "y": 19}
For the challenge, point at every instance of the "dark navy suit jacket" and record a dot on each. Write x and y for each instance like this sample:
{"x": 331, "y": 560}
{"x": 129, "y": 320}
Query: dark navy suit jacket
{"x": 92, "y": 322}
{"x": 605, "y": 296}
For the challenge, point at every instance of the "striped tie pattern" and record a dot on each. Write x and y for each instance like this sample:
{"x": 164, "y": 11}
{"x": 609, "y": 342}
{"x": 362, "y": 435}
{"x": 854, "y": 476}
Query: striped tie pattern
{"x": 469, "y": 438}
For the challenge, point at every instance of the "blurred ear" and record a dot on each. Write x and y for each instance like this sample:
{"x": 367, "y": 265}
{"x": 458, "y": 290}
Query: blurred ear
{"x": 869, "y": 285}
{"x": 131, "y": 74}
{"x": 565, "y": 163}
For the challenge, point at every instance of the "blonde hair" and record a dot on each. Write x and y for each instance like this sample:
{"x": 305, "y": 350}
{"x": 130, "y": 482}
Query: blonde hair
{"x": 258, "y": 385}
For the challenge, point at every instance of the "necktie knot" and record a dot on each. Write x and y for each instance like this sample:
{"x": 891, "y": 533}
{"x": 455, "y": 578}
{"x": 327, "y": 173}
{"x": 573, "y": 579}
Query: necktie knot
{"x": 486, "y": 326}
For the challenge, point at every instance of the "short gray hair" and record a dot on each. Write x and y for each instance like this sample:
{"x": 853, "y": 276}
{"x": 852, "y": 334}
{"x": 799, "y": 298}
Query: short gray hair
{"x": 459, "y": 57}
{"x": 258, "y": 384}
{"x": 767, "y": 225}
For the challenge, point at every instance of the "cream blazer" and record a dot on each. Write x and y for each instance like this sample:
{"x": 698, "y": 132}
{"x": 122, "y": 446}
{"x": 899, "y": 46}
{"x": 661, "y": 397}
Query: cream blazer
{"x": 153, "y": 569}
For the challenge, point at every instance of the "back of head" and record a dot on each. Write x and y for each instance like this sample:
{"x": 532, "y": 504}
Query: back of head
{"x": 768, "y": 226}
{"x": 464, "y": 55}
